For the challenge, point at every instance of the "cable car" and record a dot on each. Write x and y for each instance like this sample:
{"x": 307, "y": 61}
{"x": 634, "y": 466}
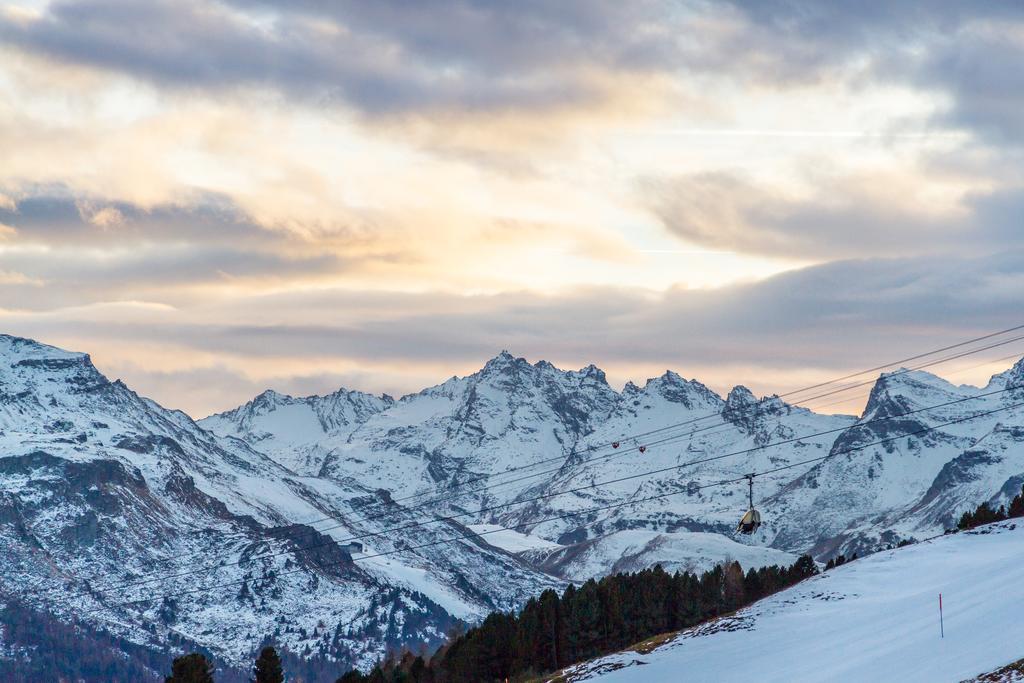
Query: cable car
{"x": 752, "y": 519}
{"x": 642, "y": 449}
{"x": 615, "y": 444}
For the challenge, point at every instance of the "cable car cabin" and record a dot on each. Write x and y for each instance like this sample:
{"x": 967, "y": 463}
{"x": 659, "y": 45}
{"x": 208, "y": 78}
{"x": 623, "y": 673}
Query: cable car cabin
{"x": 752, "y": 519}
{"x": 750, "y": 522}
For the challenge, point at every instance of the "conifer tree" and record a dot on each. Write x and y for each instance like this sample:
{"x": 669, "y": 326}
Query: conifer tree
{"x": 732, "y": 586}
{"x": 418, "y": 670}
{"x": 803, "y": 568}
{"x": 1017, "y": 505}
{"x": 193, "y": 668}
{"x": 268, "y": 667}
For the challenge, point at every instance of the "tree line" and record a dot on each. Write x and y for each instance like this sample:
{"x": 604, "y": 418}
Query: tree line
{"x": 984, "y": 514}
{"x": 553, "y": 631}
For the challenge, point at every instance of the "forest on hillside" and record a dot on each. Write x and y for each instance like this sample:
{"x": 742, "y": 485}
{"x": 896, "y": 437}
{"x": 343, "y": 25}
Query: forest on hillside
{"x": 555, "y": 630}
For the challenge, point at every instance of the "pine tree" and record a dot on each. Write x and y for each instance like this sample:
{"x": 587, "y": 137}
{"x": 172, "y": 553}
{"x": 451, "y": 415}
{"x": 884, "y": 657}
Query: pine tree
{"x": 966, "y": 521}
{"x": 193, "y": 668}
{"x": 418, "y": 670}
{"x": 268, "y": 667}
{"x": 803, "y": 568}
{"x": 1016, "y": 505}
{"x": 732, "y": 586}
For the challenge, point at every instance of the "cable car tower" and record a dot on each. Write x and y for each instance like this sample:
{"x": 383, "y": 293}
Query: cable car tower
{"x": 752, "y": 519}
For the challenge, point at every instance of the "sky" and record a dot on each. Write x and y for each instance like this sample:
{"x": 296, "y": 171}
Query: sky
{"x": 214, "y": 198}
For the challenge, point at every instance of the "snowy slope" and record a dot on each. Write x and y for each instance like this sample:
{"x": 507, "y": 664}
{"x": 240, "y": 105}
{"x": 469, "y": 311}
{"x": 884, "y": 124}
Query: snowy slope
{"x": 637, "y": 549}
{"x": 875, "y": 619}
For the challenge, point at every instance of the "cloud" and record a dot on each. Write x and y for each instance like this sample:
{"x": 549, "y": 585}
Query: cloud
{"x": 379, "y": 58}
{"x": 10, "y": 277}
{"x": 833, "y": 32}
{"x": 840, "y": 217}
{"x": 104, "y": 218}
{"x": 56, "y": 215}
{"x": 462, "y": 57}
{"x": 978, "y": 68}
{"x": 967, "y": 52}
{"x": 166, "y": 251}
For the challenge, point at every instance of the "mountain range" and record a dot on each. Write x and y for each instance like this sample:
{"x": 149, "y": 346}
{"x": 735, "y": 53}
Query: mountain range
{"x": 344, "y": 525}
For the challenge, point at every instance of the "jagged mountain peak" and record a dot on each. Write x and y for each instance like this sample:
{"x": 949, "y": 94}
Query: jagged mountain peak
{"x": 507, "y": 373}
{"x": 504, "y": 360}
{"x": 745, "y": 410}
{"x": 740, "y": 396}
{"x": 676, "y": 389}
{"x": 593, "y": 372}
{"x": 272, "y": 396}
{"x": 298, "y": 433}
{"x": 899, "y": 390}
{"x": 271, "y": 399}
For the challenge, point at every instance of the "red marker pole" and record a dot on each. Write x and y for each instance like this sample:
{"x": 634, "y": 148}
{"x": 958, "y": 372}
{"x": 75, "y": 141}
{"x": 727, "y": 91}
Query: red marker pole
{"x": 942, "y": 629}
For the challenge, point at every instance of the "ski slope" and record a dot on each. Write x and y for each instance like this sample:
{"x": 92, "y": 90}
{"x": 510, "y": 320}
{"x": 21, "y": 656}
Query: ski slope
{"x": 875, "y": 619}
{"x": 633, "y": 550}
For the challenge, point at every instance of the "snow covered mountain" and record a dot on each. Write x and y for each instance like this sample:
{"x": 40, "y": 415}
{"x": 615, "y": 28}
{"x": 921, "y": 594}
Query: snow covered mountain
{"x": 876, "y": 619}
{"x": 863, "y": 498}
{"x": 514, "y": 432}
{"x": 298, "y": 433}
{"x": 107, "y": 499}
{"x": 238, "y": 525}
{"x": 526, "y": 446}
